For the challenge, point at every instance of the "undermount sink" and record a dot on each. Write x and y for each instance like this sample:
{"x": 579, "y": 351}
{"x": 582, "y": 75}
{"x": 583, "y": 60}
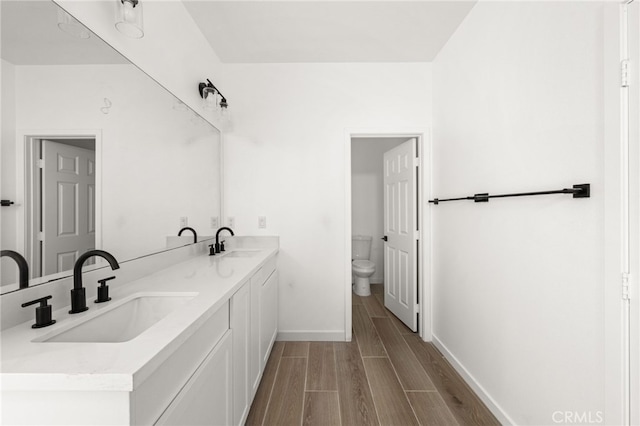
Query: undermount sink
{"x": 125, "y": 321}
{"x": 242, "y": 253}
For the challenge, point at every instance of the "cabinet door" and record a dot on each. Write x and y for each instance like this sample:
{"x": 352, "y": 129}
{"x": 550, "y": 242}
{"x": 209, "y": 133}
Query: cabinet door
{"x": 255, "y": 370}
{"x": 240, "y": 323}
{"x": 206, "y": 398}
{"x": 268, "y": 316}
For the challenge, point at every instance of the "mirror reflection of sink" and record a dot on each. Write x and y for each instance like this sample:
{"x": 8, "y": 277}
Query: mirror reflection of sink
{"x": 125, "y": 321}
{"x": 242, "y": 253}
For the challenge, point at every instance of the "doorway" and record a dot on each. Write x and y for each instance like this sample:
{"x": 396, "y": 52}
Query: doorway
{"x": 365, "y": 215}
{"x": 60, "y": 201}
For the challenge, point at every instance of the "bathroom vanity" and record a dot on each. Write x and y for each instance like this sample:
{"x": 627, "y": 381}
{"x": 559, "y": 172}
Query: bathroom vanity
{"x": 183, "y": 345}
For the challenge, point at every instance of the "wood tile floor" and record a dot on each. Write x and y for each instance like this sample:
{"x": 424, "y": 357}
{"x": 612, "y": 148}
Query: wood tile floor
{"x": 385, "y": 376}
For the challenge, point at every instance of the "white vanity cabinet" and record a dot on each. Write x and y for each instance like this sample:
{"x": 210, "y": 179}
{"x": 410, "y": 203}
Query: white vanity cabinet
{"x": 195, "y": 381}
{"x": 192, "y": 382}
{"x": 254, "y": 323}
{"x": 201, "y": 364}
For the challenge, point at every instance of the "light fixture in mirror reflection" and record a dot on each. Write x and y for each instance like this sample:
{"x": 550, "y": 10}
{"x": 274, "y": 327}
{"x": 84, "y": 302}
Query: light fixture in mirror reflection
{"x": 71, "y": 26}
{"x": 75, "y": 107}
{"x": 129, "y": 18}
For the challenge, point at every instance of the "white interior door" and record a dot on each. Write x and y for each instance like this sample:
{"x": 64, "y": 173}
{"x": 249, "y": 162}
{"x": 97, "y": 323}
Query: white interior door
{"x": 68, "y": 205}
{"x": 400, "y": 230}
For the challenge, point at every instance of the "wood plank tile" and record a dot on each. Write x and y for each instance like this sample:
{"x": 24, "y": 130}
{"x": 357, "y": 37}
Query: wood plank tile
{"x": 260, "y": 401}
{"x": 321, "y": 368}
{"x": 285, "y": 405}
{"x": 391, "y": 403}
{"x": 356, "y": 403}
{"x": 459, "y": 397}
{"x": 355, "y": 299}
{"x": 431, "y": 409}
{"x": 399, "y": 325}
{"x": 410, "y": 372}
{"x": 379, "y": 297}
{"x": 298, "y": 349}
{"x": 374, "y": 307}
{"x": 366, "y": 334}
{"x": 402, "y": 329}
{"x": 321, "y": 408}
{"x": 377, "y": 288}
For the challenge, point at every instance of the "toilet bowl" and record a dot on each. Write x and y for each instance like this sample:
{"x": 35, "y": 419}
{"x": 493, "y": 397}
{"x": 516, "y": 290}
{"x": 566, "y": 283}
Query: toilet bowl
{"x": 362, "y": 270}
{"x": 361, "y": 266}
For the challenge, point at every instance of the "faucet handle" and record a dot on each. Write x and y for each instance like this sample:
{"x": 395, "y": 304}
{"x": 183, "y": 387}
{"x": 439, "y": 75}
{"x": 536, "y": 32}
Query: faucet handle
{"x": 212, "y": 250}
{"x": 103, "y": 290}
{"x": 222, "y": 245}
{"x": 43, "y": 312}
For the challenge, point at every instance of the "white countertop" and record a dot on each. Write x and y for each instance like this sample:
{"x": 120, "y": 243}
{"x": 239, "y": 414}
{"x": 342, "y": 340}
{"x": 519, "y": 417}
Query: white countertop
{"x": 28, "y": 365}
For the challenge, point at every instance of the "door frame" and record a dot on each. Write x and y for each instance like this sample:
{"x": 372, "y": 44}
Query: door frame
{"x": 423, "y": 137}
{"x": 25, "y": 187}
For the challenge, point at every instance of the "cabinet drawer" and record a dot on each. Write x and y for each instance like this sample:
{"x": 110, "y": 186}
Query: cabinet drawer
{"x": 206, "y": 398}
{"x": 151, "y": 398}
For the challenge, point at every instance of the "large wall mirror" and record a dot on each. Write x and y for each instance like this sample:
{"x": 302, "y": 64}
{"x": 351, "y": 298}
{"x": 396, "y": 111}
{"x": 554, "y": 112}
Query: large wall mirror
{"x": 95, "y": 154}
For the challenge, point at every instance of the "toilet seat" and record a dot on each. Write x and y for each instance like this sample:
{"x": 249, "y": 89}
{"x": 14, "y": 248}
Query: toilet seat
{"x": 363, "y": 266}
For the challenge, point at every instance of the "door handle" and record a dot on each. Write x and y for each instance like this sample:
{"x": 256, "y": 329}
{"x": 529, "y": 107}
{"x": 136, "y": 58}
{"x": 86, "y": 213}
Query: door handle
{"x": 384, "y": 238}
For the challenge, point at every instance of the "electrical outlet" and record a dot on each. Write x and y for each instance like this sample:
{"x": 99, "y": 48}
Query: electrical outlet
{"x": 183, "y": 221}
{"x": 262, "y": 222}
{"x": 231, "y": 222}
{"x": 214, "y": 222}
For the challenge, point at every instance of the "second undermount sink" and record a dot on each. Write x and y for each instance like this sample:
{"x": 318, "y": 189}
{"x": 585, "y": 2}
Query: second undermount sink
{"x": 242, "y": 253}
{"x": 125, "y": 321}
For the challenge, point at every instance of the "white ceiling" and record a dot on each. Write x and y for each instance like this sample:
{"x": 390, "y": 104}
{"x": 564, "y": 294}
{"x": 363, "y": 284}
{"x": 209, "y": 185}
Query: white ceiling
{"x": 327, "y": 31}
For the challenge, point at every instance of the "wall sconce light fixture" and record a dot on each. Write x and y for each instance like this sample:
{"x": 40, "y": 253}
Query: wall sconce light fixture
{"x": 213, "y": 99}
{"x": 129, "y": 18}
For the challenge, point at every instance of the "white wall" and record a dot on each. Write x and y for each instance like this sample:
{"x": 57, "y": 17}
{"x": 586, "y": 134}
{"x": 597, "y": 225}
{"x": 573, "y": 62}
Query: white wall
{"x": 518, "y": 288}
{"x": 367, "y": 194}
{"x": 286, "y": 160}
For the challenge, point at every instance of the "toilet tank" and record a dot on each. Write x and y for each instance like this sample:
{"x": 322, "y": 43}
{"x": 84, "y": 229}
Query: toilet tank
{"x": 360, "y": 247}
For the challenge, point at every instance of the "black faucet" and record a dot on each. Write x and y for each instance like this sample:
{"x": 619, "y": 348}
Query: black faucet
{"x": 23, "y": 267}
{"x": 187, "y": 228}
{"x": 218, "y": 247}
{"x": 78, "y": 296}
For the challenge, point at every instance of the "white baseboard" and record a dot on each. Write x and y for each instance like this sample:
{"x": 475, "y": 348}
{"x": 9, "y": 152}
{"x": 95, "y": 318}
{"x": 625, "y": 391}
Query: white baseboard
{"x": 311, "y": 336}
{"x": 491, "y": 404}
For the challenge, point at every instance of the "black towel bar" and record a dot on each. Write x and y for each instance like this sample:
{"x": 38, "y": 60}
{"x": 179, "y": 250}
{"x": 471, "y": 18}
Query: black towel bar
{"x": 582, "y": 190}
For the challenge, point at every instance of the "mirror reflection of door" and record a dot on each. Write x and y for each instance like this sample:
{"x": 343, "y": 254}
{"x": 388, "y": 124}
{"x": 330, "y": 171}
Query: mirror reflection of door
{"x": 64, "y": 184}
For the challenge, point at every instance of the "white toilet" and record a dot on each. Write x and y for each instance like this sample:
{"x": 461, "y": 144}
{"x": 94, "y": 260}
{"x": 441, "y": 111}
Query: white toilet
{"x": 361, "y": 266}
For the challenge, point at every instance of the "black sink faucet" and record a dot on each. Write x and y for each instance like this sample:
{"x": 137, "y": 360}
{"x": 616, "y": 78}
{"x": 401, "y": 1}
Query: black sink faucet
{"x": 23, "y": 267}
{"x": 78, "y": 296}
{"x": 187, "y": 228}
{"x": 218, "y": 248}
